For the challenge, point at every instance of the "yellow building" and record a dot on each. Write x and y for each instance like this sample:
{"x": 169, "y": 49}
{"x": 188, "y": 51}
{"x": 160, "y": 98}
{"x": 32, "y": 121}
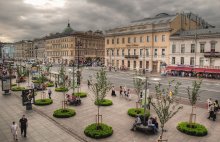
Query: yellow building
{"x": 144, "y": 44}
{"x": 63, "y": 48}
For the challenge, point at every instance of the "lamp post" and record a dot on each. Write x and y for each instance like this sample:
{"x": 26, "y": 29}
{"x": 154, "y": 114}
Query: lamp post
{"x": 78, "y": 45}
{"x": 36, "y": 48}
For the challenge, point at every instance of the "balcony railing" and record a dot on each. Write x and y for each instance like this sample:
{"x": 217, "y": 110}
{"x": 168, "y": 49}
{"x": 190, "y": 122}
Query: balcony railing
{"x": 212, "y": 54}
{"x": 131, "y": 56}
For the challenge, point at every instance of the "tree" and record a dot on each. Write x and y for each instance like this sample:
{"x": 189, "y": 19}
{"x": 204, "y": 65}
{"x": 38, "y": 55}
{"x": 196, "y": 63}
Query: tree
{"x": 166, "y": 105}
{"x": 138, "y": 86}
{"x": 100, "y": 87}
{"x": 193, "y": 95}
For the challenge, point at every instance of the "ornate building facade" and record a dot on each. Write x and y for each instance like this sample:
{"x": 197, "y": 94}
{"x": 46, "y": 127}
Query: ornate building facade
{"x": 145, "y": 43}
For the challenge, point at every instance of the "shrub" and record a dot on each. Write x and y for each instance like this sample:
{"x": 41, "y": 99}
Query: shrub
{"x": 14, "y": 84}
{"x": 133, "y": 112}
{"x": 104, "y": 102}
{"x": 195, "y": 129}
{"x": 64, "y": 113}
{"x": 80, "y": 94}
{"x": 103, "y": 131}
{"x": 43, "y": 102}
{"x": 50, "y": 84}
{"x": 36, "y": 81}
{"x": 17, "y": 88}
{"x": 61, "y": 89}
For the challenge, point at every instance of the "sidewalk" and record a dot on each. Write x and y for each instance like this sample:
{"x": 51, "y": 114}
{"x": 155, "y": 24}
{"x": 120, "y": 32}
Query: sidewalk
{"x": 40, "y": 129}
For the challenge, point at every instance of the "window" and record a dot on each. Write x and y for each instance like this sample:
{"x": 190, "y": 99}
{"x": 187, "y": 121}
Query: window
{"x": 192, "y": 48}
{"x": 155, "y": 38}
{"x": 212, "y": 62}
{"x": 155, "y": 52}
{"x": 191, "y": 61}
{"x": 134, "y": 65}
{"x": 182, "y": 48}
{"x": 129, "y": 50}
{"x": 123, "y": 52}
{"x": 134, "y": 39}
{"x": 163, "y": 38}
{"x": 129, "y": 40}
{"x": 173, "y": 60}
{"x": 113, "y": 41}
{"x": 141, "y": 39}
{"x": 128, "y": 64}
{"x": 123, "y": 63}
{"x": 201, "y": 61}
{"x": 202, "y": 48}
{"x": 173, "y": 48}
{"x": 117, "y": 40}
{"x": 213, "y": 46}
{"x": 163, "y": 52}
{"x": 141, "y": 52}
{"x": 117, "y": 52}
{"x": 147, "y": 52}
{"x": 148, "y": 38}
{"x": 112, "y": 52}
{"x": 123, "y": 40}
{"x": 134, "y": 51}
{"x": 107, "y": 41}
{"x": 140, "y": 64}
{"x": 182, "y": 60}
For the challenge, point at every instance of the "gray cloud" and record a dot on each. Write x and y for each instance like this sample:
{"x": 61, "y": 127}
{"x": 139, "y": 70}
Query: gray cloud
{"x": 24, "y": 21}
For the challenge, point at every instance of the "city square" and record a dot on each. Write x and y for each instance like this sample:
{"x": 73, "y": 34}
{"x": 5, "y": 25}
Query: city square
{"x": 87, "y": 71}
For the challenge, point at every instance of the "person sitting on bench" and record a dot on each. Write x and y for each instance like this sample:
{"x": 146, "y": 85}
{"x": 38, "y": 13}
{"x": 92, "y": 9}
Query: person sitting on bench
{"x": 150, "y": 124}
{"x": 137, "y": 122}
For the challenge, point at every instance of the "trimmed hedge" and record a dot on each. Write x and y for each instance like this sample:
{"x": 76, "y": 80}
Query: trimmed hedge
{"x": 103, "y": 131}
{"x": 64, "y": 113}
{"x": 61, "y": 89}
{"x": 104, "y": 102}
{"x": 43, "y": 102}
{"x": 50, "y": 84}
{"x": 80, "y": 94}
{"x": 195, "y": 130}
{"x": 13, "y": 84}
{"x": 133, "y": 112}
{"x": 17, "y": 88}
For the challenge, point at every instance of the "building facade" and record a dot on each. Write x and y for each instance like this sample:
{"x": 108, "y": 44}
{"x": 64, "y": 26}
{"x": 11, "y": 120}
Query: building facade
{"x": 145, "y": 44}
{"x": 23, "y": 50}
{"x": 8, "y": 50}
{"x": 39, "y": 49}
{"x": 63, "y": 47}
{"x": 196, "y": 48}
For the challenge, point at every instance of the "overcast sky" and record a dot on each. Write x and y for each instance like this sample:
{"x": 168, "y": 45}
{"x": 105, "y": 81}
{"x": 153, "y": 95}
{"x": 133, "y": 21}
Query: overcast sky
{"x": 28, "y": 19}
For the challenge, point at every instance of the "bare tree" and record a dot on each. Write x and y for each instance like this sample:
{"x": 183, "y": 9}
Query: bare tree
{"x": 138, "y": 86}
{"x": 193, "y": 95}
{"x": 100, "y": 87}
{"x": 166, "y": 105}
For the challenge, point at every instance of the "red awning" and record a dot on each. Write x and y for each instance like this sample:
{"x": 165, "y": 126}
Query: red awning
{"x": 175, "y": 68}
{"x": 171, "y": 67}
{"x": 212, "y": 70}
{"x": 197, "y": 70}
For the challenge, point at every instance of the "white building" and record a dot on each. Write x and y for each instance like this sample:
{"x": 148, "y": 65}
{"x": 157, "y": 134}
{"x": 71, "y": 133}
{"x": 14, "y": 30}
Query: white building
{"x": 196, "y": 48}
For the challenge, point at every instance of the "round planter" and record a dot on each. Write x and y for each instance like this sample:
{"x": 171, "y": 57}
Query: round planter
{"x": 61, "y": 89}
{"x": 50, "y": 84}
{"x": 14, "y": 84}
{"x": 64, "y": 113}
{"x": 194, "y": 130}
{"x": 43, "y": 102}
{"x": 102, "y": 131}
{"x": 133, "y": 112}
{"x": 104, "y": 102}
{"x": 17, "y": 88}
{"x": 80, "y": 94}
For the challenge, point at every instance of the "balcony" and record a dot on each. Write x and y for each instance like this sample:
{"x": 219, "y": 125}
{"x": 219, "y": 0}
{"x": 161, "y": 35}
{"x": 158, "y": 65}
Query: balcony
{"x": 212, "y": 54}
{"x": 131, "y": 56}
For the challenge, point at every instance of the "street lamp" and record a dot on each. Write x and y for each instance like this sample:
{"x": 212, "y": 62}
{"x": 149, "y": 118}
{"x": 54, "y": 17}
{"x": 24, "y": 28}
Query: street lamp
{"x": 36, "y": 48}
{"x": 78, "y": 45}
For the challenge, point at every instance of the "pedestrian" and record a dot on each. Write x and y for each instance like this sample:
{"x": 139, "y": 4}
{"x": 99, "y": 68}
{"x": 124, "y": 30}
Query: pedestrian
{"x": 121, "y": 91}
{"x": 49, "y": 93}
{"x": 125, "y": 93}
{"x": 216, "y": 106}
{"x": 14, "y": 130}
{"x": 128, "y": 94}
{"x": 55, "y": 84}
{"x": 113, "y": 91}
{"x": 212, "y": 113}
{"x": 23, "y": 125}
{"x": 88, "y": 83}
{"x": 209, "y": 102}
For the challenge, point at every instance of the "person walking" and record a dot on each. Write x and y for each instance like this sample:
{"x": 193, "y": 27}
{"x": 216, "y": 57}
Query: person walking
{"x": 113, "y": 92}
{"x": 55, "y": 84}
{"x": 14, "y": 130}
{"x": 23, "y": 125}
{"x": 120, "y": 91}
{"x": 49, "y": 93}
{"x": 209, "y": 103}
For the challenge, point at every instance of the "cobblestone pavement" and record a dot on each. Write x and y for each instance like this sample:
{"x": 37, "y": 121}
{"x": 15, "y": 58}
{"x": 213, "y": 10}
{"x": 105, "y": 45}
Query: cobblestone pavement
{"x": 115, "y": 116}
{"x": 40, "y": 129}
